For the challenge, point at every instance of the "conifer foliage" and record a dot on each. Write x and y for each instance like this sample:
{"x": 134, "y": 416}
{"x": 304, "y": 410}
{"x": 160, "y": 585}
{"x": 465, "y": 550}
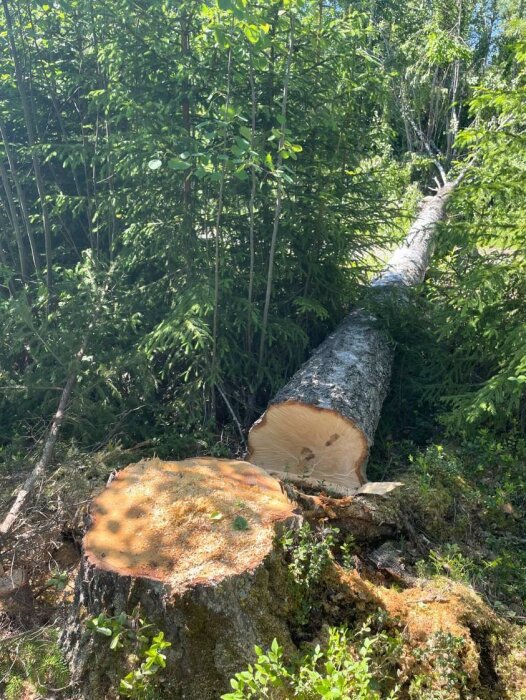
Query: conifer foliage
{"x": 228, "y": 170}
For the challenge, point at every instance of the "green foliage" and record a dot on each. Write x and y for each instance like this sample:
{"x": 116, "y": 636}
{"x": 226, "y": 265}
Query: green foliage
{"x": 32, "y": 663}
{"x": 352, "y": 667}
{"x": 443, "y": 49}
{"x": 167, "y": 164}
{"x": 347, "y": 550}
{"x": 164, "y": 144}
{"x": 449, "y": 561}
{"x": 443, "y": 676}
{"x": 478, "y": 288}
{"x": 468, "y": 500}
{"x": 58, "y": 580}
{"x": 138, "y": 683}
{"x": 309, "y": 552}
{"x": 144, "y": 647}
{"x": 165, "y": 140}
{"x": 116, "y": 628}
{"x": 212, "y": 161}
{"x": 240, "y": 523}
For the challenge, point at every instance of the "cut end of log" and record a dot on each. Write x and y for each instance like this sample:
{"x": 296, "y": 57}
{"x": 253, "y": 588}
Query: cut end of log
{"x": 308, "y": 443}
{"x": 197, "y": 521}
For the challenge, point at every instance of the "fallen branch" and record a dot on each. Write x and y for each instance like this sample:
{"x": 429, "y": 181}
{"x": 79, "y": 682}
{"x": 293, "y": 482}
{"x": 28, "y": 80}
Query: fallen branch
{"x": 49, "y": 446}
{"x": 54, "y": 429}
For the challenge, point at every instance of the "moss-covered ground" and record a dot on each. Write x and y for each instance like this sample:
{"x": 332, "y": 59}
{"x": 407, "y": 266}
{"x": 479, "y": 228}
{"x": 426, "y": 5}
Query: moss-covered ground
{"x": 450, "y": 626}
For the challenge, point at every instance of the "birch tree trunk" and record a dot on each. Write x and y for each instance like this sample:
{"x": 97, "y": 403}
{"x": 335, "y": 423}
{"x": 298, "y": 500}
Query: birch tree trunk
{"x": 21, "y": 195}
{"x": 319, "y": 428}
{"x": 32, "y": 143}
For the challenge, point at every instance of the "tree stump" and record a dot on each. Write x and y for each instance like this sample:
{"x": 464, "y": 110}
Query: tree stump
{"x": 192, "y": 544}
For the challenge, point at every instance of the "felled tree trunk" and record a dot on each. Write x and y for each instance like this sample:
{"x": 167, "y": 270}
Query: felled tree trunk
{"x": 191, "y": 545}
{"x": 319, "y": 428}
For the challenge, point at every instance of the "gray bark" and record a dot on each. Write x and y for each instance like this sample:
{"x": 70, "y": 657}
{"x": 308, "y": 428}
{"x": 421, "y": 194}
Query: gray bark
{"x": 212, "y": 629}
{"x": 349, "y": 373}
{"x": 408, "y": 265}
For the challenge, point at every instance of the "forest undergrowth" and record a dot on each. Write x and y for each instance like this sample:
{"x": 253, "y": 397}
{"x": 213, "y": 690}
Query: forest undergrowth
{"x": 462, "y": 568}
{"x": 202, "y": 191}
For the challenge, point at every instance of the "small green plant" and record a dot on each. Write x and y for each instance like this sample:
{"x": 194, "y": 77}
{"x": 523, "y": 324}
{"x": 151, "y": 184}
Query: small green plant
{"x": 448, "y": 561}
{"x": 58, "y": 580}
{"x": 132, "y": 632}
{"x": 348, "y": 668}
{"x": 137, "y": 683}
{"x": 240, "y": 523}
{"x": 310, "y": 552}
{"x": 347, "y": 550}
{"x": 117, "y": 628}
{"x": 442, "y": 675}
{"x": 14, "y": 689}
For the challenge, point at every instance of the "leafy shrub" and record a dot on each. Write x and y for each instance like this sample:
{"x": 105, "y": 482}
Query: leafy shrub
{"x": 443, "y": 676}
{"x": 310, "y": 552}
{"x": 352, "y": 667}
{"x": 448, "y": 560}
{"x": 138, "y": 683}
{"x": 144, "y": 646}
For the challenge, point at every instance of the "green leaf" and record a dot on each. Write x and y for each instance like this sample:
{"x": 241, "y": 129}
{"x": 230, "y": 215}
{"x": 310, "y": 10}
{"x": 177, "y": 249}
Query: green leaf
{"x": 252, "y": 33}
{"x": 245, "y": 132}
{"x": 240, "y": 523}
{"x": 221, "y": 38}
{"x": 176, "y": 164}
{"x": 241, "y": 174}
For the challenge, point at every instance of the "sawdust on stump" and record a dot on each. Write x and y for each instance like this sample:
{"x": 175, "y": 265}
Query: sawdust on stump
{"x": 185, "y": 523}
{"x": 192, "y": 546}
